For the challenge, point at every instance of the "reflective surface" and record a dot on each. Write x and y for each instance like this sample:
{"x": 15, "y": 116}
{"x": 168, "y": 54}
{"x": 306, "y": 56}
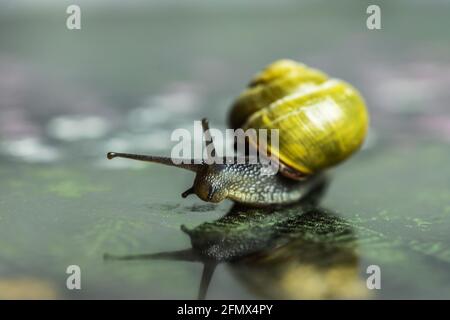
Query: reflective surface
{"x": 133, "y": 74}
{"x": 296, "y": 252}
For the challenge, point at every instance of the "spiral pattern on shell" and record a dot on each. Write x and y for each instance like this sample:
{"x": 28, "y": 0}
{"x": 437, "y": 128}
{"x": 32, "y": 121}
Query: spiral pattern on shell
{"x": 321, "y": 121}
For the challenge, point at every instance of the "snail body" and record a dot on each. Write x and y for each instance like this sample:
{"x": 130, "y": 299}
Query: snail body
{"x": 246, "y": 183}
{"x": 320, "y": 123}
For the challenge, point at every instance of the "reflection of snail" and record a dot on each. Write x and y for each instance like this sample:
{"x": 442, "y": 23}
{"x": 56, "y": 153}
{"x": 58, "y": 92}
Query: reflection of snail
{"x": 321, "y": 122}
{"x": 295, "y": 252}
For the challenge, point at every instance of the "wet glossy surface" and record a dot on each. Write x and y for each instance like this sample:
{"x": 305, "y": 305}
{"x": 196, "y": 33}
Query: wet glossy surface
{"x": 128, "y": 78}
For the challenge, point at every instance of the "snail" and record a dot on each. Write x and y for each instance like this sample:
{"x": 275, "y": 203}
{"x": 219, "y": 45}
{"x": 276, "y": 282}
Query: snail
{"x": 321, "y": 122}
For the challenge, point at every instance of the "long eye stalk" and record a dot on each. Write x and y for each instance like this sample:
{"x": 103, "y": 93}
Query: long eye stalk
{"x": 163, "y": 160}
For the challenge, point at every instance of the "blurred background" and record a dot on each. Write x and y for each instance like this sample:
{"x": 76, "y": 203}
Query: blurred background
{"x": 139, "y": 69}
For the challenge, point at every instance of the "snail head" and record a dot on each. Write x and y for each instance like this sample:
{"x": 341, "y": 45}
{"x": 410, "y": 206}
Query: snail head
{"x": 209, "y": 184}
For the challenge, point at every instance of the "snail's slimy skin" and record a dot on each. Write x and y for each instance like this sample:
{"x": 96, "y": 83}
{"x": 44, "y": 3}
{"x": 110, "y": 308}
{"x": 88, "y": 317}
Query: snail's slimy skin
{"x": 249, "y": 184}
